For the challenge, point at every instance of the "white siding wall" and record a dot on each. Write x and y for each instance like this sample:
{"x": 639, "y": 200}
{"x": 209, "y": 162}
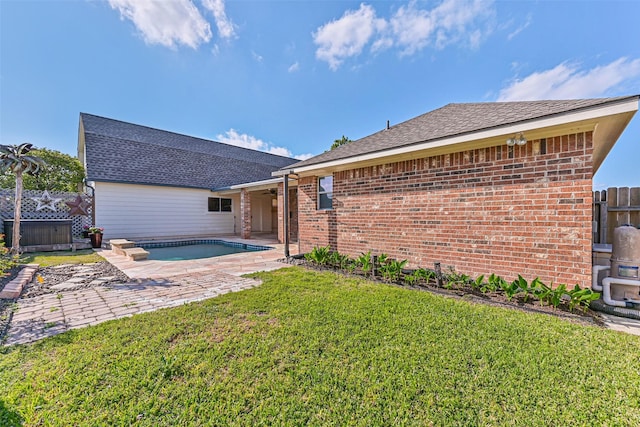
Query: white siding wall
{"x": 144, "y": 211}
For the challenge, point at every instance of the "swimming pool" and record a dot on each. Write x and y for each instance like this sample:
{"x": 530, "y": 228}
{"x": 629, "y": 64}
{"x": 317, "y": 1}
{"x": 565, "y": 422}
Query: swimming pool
{"x": 196, "y": 249}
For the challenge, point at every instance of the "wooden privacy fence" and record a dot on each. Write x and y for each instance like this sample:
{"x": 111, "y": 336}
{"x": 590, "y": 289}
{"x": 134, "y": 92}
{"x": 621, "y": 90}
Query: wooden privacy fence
{"x": 614, "y": 207}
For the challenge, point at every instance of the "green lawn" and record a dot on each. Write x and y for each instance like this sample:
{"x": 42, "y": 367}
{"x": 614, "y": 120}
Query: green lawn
{"x": 309, "y": 348}
{"x": 46, "y": 259}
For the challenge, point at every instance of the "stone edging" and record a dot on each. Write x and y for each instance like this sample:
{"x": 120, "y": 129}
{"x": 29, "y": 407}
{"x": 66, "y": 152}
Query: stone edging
{"x": 13, "y": 289}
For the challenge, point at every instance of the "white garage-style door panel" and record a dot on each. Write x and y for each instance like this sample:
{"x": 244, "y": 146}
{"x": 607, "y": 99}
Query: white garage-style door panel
{"x": 261, "y": 207}
{"x": 145, "y": 211}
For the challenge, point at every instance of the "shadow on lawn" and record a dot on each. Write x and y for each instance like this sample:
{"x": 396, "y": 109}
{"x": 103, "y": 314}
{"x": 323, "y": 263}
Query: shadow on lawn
{"x": 9, "y": 418}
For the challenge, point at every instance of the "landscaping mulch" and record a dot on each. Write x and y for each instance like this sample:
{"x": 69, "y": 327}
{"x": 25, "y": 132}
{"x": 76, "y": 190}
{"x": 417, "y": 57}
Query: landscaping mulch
{"x": 83, "y": 276}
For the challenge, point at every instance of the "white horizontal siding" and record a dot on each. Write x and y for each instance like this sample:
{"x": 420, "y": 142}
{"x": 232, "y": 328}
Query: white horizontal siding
{"x": 144, "y": 211}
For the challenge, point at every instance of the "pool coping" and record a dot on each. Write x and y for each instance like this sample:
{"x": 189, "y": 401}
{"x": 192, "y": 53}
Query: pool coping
{"x": 235, "y": 264}
{"x": 189, "y": 242}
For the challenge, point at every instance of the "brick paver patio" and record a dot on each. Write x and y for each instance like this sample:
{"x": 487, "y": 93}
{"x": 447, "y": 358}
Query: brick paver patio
{"x": 153, "y": 285}
{"x": 51, "y": 314}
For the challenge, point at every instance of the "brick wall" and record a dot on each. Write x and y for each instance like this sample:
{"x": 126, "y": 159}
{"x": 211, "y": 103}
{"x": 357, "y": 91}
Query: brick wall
{"x": 522, "y": 210}
{"x": 245, "y": 214}
{"x": 293, "y": 214}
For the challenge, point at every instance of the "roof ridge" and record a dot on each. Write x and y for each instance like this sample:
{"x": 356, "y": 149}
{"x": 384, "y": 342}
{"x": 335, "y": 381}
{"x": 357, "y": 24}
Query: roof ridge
{"x": 172, "y": 133}
{"x": 186, "y": 150}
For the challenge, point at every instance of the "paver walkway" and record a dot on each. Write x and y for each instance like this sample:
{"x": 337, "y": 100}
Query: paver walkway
{"x": 154, "y": 285}
{"x": 51, "y": 314}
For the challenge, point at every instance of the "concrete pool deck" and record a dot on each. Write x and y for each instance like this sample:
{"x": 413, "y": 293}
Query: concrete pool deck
{"x": 233, "y": 264}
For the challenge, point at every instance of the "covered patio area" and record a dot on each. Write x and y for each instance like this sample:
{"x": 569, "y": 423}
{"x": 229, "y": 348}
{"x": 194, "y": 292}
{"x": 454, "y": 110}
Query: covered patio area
{"x": 262, "y": 207}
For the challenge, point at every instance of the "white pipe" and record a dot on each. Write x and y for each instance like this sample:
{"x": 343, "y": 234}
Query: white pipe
{"x": 594, "y": 281}
{"x": 606, "y": 290}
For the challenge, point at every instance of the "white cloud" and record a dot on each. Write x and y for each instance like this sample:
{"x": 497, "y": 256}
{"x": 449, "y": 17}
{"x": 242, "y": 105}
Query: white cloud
{"x": 347, "y": 36}
{"x": 294, "y": 67}
{"x": 168, "y": 23}
{"x": 303, "y": 156}
{"x": 568, "y": 81}
{"x": 521, "y": 28}
{"x": 232, "y": 137}
{"x": 463, "y": 21}
{"x": 410, "y": 29}
{"x": 226, "y": 27}
{"x": 257, "y": 57}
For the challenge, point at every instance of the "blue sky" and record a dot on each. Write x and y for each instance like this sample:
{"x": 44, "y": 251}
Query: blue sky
{"x": 292, "y": 76}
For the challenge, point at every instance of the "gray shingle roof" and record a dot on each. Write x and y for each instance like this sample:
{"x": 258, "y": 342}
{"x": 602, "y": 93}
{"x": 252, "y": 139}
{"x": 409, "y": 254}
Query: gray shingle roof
{"x": 124, "y": 152}
{"x": 454, "y": 120}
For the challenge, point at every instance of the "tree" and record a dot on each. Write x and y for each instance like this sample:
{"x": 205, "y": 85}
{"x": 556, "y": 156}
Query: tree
{"x": 339, "y": 142}
{"x": 16, "y": 158}
{"x": 61, "y": 172}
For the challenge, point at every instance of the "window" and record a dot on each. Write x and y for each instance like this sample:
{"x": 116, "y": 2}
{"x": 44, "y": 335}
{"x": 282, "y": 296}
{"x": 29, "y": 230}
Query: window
{"x": 325, "y": 192}
{"x": 217, "y": 204}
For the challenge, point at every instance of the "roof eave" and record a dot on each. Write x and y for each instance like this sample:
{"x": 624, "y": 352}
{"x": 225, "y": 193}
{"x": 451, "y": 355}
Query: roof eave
{"x": 619, "y": 107}
{"x": 252, "y": 186}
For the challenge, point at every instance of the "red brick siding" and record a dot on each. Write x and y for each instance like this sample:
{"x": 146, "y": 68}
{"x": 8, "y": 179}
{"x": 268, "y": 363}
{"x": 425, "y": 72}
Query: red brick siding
{"x": 293, "y": 213}
{"x": 481, "y": 211}
{"x": 245, "y": 214}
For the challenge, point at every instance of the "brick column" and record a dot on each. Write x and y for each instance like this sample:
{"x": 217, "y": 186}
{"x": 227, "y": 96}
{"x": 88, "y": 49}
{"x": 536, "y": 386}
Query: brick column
{"x": 280, "y": 213}
{"x": 245, "y": 214}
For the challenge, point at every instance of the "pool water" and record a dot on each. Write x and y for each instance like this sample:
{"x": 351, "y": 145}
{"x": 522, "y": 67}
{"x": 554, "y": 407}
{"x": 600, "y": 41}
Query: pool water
{"x": 181, "y": 251}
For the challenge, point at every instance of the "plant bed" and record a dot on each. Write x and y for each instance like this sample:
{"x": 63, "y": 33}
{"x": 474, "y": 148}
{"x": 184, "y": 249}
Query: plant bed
{"x": 534, "y": 296}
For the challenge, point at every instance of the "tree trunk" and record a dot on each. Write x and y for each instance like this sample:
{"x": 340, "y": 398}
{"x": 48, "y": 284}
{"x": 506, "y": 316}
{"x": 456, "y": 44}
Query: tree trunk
{"x": 15, "y": 241}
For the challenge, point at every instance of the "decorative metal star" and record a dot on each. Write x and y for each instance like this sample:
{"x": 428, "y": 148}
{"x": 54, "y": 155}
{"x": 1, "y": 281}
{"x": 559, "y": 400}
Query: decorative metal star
{"x": 78, "y": 206}
{"x": 46, "y": 201}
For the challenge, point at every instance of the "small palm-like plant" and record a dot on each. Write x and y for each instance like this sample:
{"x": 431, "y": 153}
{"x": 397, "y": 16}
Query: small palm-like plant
{"x": 16, "y": 158}
{"x": 364, "y": 261}
{"x": 319, "y": 255}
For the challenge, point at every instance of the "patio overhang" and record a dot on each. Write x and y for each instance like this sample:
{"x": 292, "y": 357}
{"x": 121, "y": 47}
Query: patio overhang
{"x": 252, "y": 186}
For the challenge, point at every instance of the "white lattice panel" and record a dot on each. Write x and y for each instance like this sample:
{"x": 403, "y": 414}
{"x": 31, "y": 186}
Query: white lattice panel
{"x": 32, "y": 199}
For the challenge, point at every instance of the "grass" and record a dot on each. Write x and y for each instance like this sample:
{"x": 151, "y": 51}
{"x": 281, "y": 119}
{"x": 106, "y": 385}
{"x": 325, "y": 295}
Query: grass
{"x": 309, "y": 348}
{"x": 47, "y": 259}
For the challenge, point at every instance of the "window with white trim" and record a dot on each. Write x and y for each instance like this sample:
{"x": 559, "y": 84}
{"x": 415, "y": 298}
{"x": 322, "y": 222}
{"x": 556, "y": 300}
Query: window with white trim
{"x": 325, "y": 192}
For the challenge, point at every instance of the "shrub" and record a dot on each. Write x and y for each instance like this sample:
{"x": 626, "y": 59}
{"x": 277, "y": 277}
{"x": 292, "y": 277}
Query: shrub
{"x": 454, "y": 278}
{"x": 7, "y": 261}
{"x": 581, "y": 297}
{"x": 319, "y": 255}
{"x": 391, "y": 270}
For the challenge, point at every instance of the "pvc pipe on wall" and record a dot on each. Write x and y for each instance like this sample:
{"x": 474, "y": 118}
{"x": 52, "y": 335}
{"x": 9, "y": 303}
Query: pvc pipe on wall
{"x": 594, "y": 282}
{"x": 606, "y": 289}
